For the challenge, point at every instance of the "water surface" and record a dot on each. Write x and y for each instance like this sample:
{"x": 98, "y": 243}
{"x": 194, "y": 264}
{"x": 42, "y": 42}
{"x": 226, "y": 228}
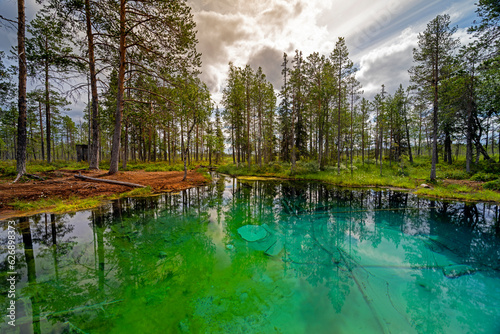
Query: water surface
{"x": 333, "y": 261}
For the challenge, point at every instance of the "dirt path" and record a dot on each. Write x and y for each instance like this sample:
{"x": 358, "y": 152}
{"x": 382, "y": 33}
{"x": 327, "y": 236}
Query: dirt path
{"x": 62, "y": 184}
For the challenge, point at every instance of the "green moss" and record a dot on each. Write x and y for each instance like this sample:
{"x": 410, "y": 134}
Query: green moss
{"x": 205, "y": 172}
{"x": 35, "y": 205}
{"x": 58, "y": 205}
{"x": 484, "y": 177}
{"x": 396, "y": 175}
{"x": 137, "y": 192}
{"x": 257, "y": 178}
{"x": 450, "y": 193}
{"x": 492, "y": 185}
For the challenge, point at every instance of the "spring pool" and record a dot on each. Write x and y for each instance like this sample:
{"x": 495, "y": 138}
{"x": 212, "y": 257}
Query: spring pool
{"x": 315, "y": 259}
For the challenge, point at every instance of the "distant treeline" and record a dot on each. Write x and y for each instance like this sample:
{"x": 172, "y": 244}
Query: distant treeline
{"x": 146, "y": 102}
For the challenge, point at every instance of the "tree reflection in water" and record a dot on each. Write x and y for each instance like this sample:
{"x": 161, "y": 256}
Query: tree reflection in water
{"x": 352, "y": 260}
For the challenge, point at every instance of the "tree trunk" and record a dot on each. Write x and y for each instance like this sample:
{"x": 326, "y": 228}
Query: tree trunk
{"x": 197, "y": 157}
{"x": 326, "y": 129}
{"x": 125, "y": 147}
{"x": 381, "y": 147}
{"x": 338, "y": 119}
{"x": 248, "y": 121}
{"x": 352, "y": 144}
{"x": 94, "y": 144}
{"x": 41, "y": 130}
{"x": 21, "y": 121}
{"x": 115, "y": 150}
{"x": 169, "y": 145}
{"x": 109, "y": 181}
{"x": 47, "y": 107}
{"x": 447, "y": 148}
{"x": 186, "y": 149}
{"x": 233, "y": 144}
{"x": 292, "y": 137}
{"x": 468, "y": 154}
{"x": 434, "y": 133}
{"x": 408, "y": 135}
{"x": 363, "y": 140}
{"x": 493, "y": 140}
{"x": 260, "y": 131}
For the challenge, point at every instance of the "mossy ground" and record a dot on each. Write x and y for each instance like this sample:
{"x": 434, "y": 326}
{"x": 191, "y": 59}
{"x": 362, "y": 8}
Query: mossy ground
{"x": 452, "y": 183}
{"x": 58, "y": 205}
{"x": 59, "y": 192}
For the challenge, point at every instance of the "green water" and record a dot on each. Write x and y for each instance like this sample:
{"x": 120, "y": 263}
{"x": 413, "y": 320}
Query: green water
{"x": 332, "y": 261}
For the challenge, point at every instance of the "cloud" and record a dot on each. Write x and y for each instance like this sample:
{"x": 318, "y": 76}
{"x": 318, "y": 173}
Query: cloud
{"x": 380, "y": 34}
{"x": 247, "y": 32}
{"x": 218, "y": 33}
{"x": 388, "y": 64}
{"x": 270, "y": 60}
{"x": 278, "y": 16}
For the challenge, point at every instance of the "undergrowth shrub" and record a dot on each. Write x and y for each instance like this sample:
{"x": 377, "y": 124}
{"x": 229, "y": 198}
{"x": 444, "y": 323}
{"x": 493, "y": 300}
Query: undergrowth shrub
{"x": 484, "y": 177}
{"x": 456, "y": 175}
{"x": 274, "y": 166}
{"x": 492, "y": 185}
{"x": 307, "y": 167}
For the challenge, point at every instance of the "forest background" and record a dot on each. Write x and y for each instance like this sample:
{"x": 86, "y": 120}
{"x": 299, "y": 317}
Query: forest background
{"x": 147, "y": 107}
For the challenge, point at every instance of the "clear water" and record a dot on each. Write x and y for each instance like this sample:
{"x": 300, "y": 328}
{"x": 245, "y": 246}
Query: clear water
{"x": 342, "y": 262}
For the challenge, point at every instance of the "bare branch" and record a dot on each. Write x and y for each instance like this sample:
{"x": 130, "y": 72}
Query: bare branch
{"x": 8, "y": 20}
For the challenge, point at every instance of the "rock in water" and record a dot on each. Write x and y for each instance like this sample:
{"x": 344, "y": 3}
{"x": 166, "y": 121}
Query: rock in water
{"x": 252, "y": 232}
{"x": 275, "y": 249}
{"x": 455, "y": 271}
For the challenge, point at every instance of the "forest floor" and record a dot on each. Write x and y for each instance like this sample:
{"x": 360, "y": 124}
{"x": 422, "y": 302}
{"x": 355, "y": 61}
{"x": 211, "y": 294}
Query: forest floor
{"x": 60, "y": 191}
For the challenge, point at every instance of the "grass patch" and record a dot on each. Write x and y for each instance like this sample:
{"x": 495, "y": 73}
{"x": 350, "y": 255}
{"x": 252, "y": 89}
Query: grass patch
{"x": 35, "y": 205}
{"x": 58, "y": 205}
{"x": 8, "y": 167}
{"x": 484, "y": 177}
{"x": 361, "y": 179}
{"x": 137, "y": 192}
{"x": 398, "y": 175}
{"x": 492, "y": 185}
{"x": 448, "y": 193}
{"x": 205, "y": 172}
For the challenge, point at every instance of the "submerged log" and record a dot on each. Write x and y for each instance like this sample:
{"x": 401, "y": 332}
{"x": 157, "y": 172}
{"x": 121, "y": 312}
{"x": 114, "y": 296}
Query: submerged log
{"x": 128, "y": 184}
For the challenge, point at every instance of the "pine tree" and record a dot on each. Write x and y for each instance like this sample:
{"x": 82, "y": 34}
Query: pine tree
{"x": 158, "y": 39}
{"x": 342, "y": 70}
{"x": 219, "y": 138}
{"x": 49, "y": 53}
{"x": 22, "y": 108}
{"x": 433, "y": 56}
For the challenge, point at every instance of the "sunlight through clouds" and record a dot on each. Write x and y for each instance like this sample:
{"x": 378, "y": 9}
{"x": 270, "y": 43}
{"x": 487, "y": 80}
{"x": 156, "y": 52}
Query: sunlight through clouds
{"x": 380, "y": 34}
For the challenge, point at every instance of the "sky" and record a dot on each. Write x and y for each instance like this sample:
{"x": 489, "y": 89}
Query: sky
{"x": 380, "y": 35}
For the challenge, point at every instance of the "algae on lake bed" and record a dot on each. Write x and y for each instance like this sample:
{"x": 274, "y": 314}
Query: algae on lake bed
{"x": 319, "y": 259}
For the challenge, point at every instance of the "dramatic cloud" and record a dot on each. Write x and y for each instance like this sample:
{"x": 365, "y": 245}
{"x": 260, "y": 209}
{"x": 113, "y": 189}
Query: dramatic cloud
{"x": 245, "y": 32}
{"x": 380, "y": 34}
{"x": 388, "y": 64}
{"x": 270, "y": 60}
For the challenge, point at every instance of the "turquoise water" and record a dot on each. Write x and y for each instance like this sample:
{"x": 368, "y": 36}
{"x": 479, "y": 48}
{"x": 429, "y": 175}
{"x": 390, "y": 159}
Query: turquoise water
{"x": 325, "y": 260}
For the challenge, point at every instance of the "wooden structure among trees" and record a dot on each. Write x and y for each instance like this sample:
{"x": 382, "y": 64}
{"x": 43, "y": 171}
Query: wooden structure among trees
{"x": 82, "y": 153}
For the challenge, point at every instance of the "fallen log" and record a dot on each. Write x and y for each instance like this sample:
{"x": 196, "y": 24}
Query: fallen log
{"x": 128, "y": 184}
{"x": 33, "y": 176}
